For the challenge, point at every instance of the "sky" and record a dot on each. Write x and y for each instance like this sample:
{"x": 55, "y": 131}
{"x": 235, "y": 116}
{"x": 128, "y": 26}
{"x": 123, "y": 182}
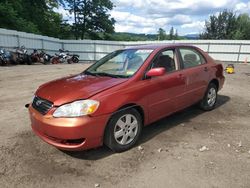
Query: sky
{"x": 187, "y": 16}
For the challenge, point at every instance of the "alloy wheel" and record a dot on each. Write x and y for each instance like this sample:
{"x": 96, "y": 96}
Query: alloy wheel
{"x": 211, "y": 96}
{"x": 126, "y": 129}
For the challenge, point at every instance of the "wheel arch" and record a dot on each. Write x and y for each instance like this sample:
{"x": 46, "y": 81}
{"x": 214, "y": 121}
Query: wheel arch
{"x": 128, "y": 106}
{"x": 216, "y": 82}
{"x": 135, "y": 106}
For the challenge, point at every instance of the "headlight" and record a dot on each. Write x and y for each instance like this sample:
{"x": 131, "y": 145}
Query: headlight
{"x": 77, "y": 108}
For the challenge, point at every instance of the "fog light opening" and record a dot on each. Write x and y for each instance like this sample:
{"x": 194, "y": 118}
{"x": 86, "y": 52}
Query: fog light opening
{"x": 73, "y": 141}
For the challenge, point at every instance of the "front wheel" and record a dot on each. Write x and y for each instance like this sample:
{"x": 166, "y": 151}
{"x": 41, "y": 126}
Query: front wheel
{"x": 123, "y": 130}
{"x": 209, "y": 100}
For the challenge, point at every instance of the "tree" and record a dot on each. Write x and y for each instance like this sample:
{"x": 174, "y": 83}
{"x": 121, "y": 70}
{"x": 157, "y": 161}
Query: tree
{"x": 91, "y": 18}
{"x": 243, "y": 28}
{"x": 227, "y": 25}
{"x": 162, "y": 34}
{"x": 171, "y": 33}
{"x": 176, "y": 36}
{"x": 35, "y": 16}
{"x": 222, "y": 26}
{"x": 10, "y": 19}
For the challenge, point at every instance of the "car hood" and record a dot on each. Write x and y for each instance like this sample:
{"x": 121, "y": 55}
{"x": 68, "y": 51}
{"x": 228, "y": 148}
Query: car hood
{"x": 75, "y": 87}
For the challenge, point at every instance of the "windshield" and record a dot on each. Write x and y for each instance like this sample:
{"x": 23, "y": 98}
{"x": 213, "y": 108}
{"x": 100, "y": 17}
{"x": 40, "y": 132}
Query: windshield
{"x": 120, "y": 64}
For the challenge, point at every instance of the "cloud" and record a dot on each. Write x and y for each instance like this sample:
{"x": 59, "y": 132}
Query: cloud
{"x": 127, "y": 21}
{"x": 242, "y": 7}
{"x": 170, "y": 7}
{"x": 184, "y": 15}
{"x": 192, "y": 28}
{"x": 147, "y": 16}
{"x": 195, "y": 24}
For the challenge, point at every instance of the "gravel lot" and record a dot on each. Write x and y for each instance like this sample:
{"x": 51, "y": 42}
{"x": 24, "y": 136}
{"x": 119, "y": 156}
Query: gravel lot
{"x": 26, "y": 161}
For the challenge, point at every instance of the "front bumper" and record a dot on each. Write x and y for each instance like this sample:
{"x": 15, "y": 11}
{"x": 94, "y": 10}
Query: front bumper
{"x": 77, "y": 134}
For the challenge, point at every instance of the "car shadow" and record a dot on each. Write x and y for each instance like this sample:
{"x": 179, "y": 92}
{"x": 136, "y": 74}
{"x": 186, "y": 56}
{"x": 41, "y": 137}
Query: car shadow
{"x": 150, "y": 131}
{"x": 181, "y": 117}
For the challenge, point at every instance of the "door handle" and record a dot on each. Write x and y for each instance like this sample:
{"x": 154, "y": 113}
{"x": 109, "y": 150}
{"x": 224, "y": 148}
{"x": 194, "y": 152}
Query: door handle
{"x": 205, "y": 69}
{"x": 181, "y": 76}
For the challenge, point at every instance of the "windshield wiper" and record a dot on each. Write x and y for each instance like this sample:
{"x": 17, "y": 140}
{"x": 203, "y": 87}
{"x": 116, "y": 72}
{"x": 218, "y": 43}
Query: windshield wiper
{"x": 107, "y": 74}
{"x": 104, "y": 74}
{"x": 90, "y": 73}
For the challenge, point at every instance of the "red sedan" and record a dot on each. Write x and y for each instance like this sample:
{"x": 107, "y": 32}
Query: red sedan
{"x": 111, "y": 101}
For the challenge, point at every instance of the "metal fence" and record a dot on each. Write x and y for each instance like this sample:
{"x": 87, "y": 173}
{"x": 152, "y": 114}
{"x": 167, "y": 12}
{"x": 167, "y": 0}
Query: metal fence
{"x": 91, "y": 50}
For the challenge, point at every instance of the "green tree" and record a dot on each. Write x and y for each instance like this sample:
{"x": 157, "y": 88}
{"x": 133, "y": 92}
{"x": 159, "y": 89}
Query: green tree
{"x": 162, "y": 34}
{"x": 35, "y": 16}
{"x": 176, "y": 36}
{"x": 10, "y": 19}
{"x": 243, "y": 28}
{"x": 43, "y": 16}
{"x": 222, "y": 26}
{"x": 171, "y": 33}
{"x": 91, "y": 18}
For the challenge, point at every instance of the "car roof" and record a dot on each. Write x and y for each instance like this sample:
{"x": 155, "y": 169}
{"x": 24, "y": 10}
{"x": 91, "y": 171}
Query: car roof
{"x": 159, "y": 46}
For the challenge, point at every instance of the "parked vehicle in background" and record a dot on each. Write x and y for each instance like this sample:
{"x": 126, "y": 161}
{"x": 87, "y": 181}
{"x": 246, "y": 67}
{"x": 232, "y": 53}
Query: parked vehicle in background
{"x": 21, "y": 56}
{"x": 40, "y": 57}
{"x": 111, "y": 101}
{"x": 2, "y": 57}
{"x": 5, "y": 57}
{"x": 74, "y": 58}
{"x": 35, "y": 56}
{"x": 46, "y": 57}
{"x": 65, "y": 57}
{"x": 61, "y": 57}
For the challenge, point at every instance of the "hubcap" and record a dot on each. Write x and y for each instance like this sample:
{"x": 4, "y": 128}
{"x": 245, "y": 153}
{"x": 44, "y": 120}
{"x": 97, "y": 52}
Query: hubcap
{"x": 126, "y": 129}
{"x": 211, "y": 96}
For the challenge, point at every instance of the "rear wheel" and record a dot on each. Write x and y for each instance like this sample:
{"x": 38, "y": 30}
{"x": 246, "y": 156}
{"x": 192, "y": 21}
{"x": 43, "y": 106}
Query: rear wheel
{"x": 209, "y": 100}
{"x": 123, "y": 130}
{"x": 75, "y": 60}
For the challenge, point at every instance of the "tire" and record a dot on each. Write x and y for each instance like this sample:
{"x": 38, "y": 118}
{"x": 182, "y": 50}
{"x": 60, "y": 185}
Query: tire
{"x": 210, "y": 98}
{"x": 76, "y": 60}
{"x": 28, "y": 60}
{"x": 123, "y": 130}
{"x": 2, "y": 63}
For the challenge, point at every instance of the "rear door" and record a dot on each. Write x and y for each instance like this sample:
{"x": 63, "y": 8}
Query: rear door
{"x": 196, "y": 71}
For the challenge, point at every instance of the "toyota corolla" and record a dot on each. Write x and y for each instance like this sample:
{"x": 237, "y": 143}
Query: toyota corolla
{"x": 111, "y": 101}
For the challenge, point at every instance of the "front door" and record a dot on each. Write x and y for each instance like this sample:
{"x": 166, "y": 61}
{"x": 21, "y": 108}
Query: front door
{"x": 164, "y": 91}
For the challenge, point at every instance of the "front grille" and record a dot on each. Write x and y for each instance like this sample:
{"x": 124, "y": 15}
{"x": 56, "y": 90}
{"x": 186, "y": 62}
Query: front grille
{"x": 41, "y": 105}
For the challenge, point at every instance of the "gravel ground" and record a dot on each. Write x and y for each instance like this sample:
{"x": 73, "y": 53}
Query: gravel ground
{"x": 169, "y": 154}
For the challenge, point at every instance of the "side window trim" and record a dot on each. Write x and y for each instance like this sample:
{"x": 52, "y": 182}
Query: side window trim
{"x": 181, "y": 64}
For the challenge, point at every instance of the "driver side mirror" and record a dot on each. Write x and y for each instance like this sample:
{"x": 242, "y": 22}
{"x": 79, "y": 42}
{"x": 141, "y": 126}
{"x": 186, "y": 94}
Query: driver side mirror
{"x": 156, "y": 72}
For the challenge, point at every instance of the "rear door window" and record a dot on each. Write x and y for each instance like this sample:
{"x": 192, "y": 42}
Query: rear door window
{"x": 191, "y": 58}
